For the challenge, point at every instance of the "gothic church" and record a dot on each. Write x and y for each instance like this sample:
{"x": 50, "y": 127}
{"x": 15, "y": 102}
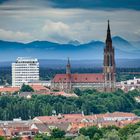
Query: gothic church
{"x": 102, "y": 82}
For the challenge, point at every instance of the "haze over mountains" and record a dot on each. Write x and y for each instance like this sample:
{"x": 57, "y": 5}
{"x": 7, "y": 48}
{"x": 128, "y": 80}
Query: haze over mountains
{"x": 93, "y": 50}
{"x": 50, "y": 50}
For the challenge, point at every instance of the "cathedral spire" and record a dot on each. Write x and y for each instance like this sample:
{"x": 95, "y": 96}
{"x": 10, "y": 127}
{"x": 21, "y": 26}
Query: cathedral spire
{"x": 68, "y": 67}
{"x": 109, "y": 63}
{"x": 68, "y": 61}
{"x": 108, "y": 38}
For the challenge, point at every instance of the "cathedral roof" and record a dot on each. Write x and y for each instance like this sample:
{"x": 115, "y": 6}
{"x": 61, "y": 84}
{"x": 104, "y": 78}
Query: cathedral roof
{"x": 79, "y": 78}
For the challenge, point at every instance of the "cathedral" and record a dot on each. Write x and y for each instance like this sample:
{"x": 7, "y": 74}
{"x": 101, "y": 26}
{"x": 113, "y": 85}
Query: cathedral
{"x": 105, "y": 81}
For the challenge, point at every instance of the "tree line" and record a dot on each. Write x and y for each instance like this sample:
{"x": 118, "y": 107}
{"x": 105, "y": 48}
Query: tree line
{"x": 89, "y": 102}
{"x": 49, "y": 73}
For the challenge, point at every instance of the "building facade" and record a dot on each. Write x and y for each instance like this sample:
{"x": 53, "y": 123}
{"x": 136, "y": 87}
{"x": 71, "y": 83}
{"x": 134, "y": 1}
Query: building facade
{"x": 24, "y": 70}
{"x": 109, "y": 64}
{"x": 102, "y": 81}
{"x": 67, "y": 82}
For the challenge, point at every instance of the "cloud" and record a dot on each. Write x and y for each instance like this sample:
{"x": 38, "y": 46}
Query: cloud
{"x": 12, "y": 5}
{"x": 3, "y": 1}
{"x": 64, "y": 32}
{"x": 83, "y": 4}
{"x": 87, "y": 25}
{"x": 15, "y": 36}
{"x": 53, "y": 21}
{"x": 96, "y": 4}
{"x": 57, "y": 31}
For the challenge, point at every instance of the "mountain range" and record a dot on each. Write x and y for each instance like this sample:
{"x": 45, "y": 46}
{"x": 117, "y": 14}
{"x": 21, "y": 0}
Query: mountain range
{"x": 124, "y": 49}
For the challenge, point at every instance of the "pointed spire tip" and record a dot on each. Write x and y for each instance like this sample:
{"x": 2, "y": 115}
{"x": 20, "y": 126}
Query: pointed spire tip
{"x": 108, "y": 38}
{"x": 68, "y": 60}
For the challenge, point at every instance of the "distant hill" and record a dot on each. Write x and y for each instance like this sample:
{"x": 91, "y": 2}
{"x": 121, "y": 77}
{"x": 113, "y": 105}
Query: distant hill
{"x": 124, "y": 49}
{"x": 74, "y": 42}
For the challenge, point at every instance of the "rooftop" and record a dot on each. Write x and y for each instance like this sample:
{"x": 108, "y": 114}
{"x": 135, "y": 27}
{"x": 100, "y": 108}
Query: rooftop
{"x": 79, "y": 78}
{"x": 62, "y": 118}
{"x": 26, "y": 59}
{"x": 9, "y": 89}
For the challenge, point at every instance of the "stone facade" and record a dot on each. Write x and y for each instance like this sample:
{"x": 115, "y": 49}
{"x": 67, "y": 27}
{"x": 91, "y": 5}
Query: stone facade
{"x": 109, "y": 64}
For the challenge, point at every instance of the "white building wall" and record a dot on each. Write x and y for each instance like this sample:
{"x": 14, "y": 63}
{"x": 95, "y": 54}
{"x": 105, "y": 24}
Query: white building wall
{"x": 24, "y": 70}
{"x": 134, "y": 81}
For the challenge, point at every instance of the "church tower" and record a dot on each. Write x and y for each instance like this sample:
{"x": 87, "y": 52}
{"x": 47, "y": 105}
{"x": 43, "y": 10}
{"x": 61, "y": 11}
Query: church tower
{"x": 68, "y": 67}
{"x": 109, "y": 64}
{"x": 68, "y": 75}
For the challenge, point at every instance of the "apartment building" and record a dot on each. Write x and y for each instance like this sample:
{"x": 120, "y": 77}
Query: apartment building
{"x": 24, "y": 70}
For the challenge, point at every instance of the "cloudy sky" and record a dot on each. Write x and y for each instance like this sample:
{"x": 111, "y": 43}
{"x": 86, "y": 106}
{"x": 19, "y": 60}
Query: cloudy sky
{"x": 65, "y": 20}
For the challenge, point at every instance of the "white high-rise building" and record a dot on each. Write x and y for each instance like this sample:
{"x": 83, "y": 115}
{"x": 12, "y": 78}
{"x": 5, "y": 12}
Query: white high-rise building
{"x": 24, "y": 70}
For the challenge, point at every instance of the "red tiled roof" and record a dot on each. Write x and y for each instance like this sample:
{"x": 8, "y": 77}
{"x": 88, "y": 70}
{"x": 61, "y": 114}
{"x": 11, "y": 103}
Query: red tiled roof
{"x": 79, "y": 117}
{"x": 9, "y": 89}
{"x": 63, "y": 118}
{"x": 126, "y": 122}
{"x": 2, "y": 132}
{"x": 76, "y": 126}
{"x": 79, "y": 78}
{"x": 109, "y": 123}
{"x": 25, "y": 138}
{"x": 119, "y": 114}
{"x": 39, "y": 87}
{"x": 118, "y": 123}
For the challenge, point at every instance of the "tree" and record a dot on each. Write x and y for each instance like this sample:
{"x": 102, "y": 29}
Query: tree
{"x": 90, "y": 131}
{"x": 57, "y": 133}
{"x": 134, "y": 137}
{"x": 26, "y": 88}
{"x": 81, "y": 137}
{"x": 113, "y": 135}
{"x": 97, "y": 136}
{"x": 136, "y": 111}
{"x": 16, "y": 138}
{"x": 109, "y": 129}
{"x": 78, "y": 92}
{"x": 128, "y": 130}
{"x": 2, "y": 138}
{"x": 41, "y": 105}
{"x": 41, "y": 137}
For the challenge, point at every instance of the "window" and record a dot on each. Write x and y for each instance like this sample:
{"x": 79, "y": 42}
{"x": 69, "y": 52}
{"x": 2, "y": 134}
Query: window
{"x": 108, "y": 76}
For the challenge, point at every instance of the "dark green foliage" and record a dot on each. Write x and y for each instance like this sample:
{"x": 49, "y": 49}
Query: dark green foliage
{"x": 78, "y": 92}
{"x": 91, "y": 132}
{"x": 89, "y": 102}
{"x": 105, "y": 130}
{"x": 16, "y": 138}
{"x": 136, "y": 111}
{"x": 5, "y": 75}
{"x": 2, "y": 138}
{"x": 41, "y": 137}
{"x": 112, "y": 132}
{"x": 128, "y": 130}
{"x": 57, "y": 133}
{"x": 26, "y": 88}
